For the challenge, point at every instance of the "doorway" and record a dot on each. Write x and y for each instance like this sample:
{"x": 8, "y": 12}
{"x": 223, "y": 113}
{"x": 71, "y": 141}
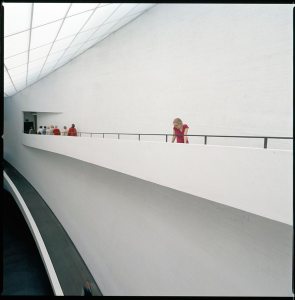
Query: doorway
{"x": 30, "y": 122}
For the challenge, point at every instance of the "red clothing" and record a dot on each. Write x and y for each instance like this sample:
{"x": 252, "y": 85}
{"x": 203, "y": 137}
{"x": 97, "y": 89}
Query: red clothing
{"x": 56, "y": 131}
{"x": 179, "y": 133}
{"x": 72, "y": 131}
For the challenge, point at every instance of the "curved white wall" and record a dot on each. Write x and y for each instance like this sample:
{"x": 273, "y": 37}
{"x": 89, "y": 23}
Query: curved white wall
{"x": 140, "y": 238}
{"x": 255, "y": 180}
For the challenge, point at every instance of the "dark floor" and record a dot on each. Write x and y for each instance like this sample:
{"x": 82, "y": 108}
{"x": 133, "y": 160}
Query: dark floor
{"x": 68, "y": 264}
{"x": 23, "y": 269}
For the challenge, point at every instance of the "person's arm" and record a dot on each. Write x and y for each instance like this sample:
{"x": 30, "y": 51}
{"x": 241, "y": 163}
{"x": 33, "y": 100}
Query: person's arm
{"x": 185, "y": 133}
{"x": 173, "y": 137}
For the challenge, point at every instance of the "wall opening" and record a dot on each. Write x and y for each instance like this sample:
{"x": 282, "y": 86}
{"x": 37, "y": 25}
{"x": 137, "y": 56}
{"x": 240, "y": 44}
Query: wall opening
{"x": 30, "y": 122}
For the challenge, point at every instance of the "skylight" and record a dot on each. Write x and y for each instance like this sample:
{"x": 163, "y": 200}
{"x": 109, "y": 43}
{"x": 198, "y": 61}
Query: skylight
{"x": 42, "y": 37}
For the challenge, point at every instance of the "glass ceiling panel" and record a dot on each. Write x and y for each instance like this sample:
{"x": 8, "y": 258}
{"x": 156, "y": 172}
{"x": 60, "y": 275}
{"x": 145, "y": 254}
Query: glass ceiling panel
{"x": 18, "y": 77}
{"x": 43, "y": 74}
{"x": 33, "y": 76}
{"x": 72, "y": 50}
{"x": 101, "y": 14}
{"x": 17, "y": 17}
{"x": 61, "y": 44}
{"x": 101, "y": 38}
{"x": 9, "y": 84}
{"x": 122, "y": 11}
{"x": 10, "y": 90}
{"x": 48, "y": 12}
{"x": 48, "y": 67}
{"x": 63, "y": 61}
{"x": 142, "y": 7}
{"x": 107, "y": 18}
{"x": 16, "y": 61}
{"x": 36, "y": 64}
{"x": 73, "y": 24}
{"x": 16, "y": 44}
{"x": 54, "y": 57}
{"x": 83, "y": 36}
{"x": 20, "y": 84}
{"x": 80, "y": 7}
{"x": 92, "y": 42}
{"x": 6, "y": 77}
{"x": 39, "y": 52}
{"x": 7, "y": 80}
{"x": 50, "y": 64}
{"x": 19, "y": 70}
{"x": 45, "y": 34}
{"x": 102, "y": 30}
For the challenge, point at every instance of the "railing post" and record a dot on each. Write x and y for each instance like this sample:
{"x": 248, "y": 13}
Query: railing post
{"x": 205, "y": 141}
{"x": 118, "y": 135}
{"x": 166, "y": 138}
{"x": 103, "y": 135}
{"x": 80, "y": 134}
{"x": 90, "y": 134}
{"x": 139, "y": 137}
{"x": 265, "y": 143}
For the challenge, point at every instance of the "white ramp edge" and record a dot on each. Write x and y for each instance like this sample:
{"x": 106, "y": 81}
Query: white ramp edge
{"x": 36, "y": 234}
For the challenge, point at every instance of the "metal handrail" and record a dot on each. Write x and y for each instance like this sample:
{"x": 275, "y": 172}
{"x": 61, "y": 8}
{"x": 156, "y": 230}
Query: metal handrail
{"x": 265, "y": 138}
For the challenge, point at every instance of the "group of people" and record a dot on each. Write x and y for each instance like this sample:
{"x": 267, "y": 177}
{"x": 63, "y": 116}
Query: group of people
{"x": 179, "y": 131}
{"x": 54, "y": 130}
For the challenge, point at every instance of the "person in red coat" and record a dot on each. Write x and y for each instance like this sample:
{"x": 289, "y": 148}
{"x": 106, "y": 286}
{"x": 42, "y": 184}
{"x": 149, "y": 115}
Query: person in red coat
{"x": 56, "y": 131}
{"x": 180, "y": 131}
{"x": 72, "y": 131}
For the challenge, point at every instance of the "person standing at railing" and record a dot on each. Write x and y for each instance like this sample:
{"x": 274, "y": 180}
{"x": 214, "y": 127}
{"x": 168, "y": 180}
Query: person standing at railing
{"x": 51, "y": 129}
{"x": 72, "y": 131}
{"x": 31, "y": 131}
{"x": 48, "y": 130}
{"x": 56, "y": 130}
{"x": 65, "y": 131}
{"x": 40, "y": 130}
{"x": 179, "y": 131}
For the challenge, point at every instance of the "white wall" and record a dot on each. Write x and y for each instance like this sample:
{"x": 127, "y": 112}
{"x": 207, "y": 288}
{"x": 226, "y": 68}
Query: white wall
{"x": 224, "y": 69}
{"x": 139, "y": 238}
{"x": 255, "y": 180}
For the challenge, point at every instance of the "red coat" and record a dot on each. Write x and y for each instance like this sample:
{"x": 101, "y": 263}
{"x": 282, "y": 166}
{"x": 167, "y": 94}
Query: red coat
{"x": 180, "y": 133}
{"x": 56, "y": 131}
{"x": 72, "y": 132}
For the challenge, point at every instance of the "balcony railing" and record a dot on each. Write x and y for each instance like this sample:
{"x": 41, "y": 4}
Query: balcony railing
{"x": 165, "y": 135}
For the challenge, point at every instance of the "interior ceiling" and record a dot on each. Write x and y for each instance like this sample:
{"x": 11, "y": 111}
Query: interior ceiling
{"x": 41, "y": 37}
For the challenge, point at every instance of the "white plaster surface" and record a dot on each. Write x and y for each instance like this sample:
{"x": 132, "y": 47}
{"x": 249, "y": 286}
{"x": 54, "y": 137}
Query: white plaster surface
{"x": 252, "y": 179}
{"x": 224, "y": 69}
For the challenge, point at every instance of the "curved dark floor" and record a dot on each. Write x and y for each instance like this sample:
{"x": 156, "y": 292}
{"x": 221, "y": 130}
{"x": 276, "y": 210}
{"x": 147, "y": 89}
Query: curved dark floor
{"x": 23, "y": 269}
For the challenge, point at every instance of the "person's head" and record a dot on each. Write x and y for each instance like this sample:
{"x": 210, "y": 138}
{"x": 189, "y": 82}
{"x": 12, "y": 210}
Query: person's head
{"x": 44, "y": 127}
{"x": 56, "y": 126}
{"x": 73, "y": 125}
{"x": 40, "y": 127}
{"x": 177, "y": 123}
{"x": 65, "y": 127}
{"x": 52, "y": 126}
